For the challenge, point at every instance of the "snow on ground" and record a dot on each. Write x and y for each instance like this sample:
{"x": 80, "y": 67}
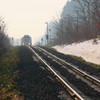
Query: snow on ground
{"x": 87, "y": 50}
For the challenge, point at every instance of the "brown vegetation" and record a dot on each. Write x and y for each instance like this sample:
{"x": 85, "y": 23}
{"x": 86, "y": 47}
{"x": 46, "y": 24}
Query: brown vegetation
{"x": 82, "y": 24}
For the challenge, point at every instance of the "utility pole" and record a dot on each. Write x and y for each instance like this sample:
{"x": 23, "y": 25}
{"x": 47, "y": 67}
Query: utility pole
{"x": 41, "y": 41}
{"x": 47, "y": 32}
{"x": 77, "y": 24}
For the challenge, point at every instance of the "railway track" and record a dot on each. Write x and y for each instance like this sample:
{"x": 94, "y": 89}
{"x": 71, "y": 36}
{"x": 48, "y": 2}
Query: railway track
{"x": 88, "y": 77}
{"x": 72, "y": 92}
{"x": 93, "y": 82}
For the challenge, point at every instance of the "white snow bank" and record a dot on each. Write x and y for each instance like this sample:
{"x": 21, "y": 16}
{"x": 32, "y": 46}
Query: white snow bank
{"x": 87, "y": 50}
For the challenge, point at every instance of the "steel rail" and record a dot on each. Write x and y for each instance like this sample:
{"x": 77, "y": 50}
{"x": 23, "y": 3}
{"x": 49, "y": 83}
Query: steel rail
{"x": 72, "y": 67}
{"x": 71, "y": 91}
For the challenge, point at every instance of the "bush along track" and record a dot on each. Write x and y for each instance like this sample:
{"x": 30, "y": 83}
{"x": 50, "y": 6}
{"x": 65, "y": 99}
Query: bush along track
{"x": 90, "y": 68}
{"x": 8, "y": 64}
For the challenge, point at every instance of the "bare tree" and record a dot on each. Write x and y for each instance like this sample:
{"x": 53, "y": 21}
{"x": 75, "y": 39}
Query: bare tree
{"x": 4, "y": 40}
{"x": 82, "y": 25}
{"x": 90, "y": 15}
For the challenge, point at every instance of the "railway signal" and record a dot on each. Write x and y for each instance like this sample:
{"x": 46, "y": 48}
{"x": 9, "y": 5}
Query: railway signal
{"x": 0, "y": 28}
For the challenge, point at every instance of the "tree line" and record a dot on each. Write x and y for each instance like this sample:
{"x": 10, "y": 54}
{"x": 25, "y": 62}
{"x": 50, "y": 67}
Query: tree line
{"x": 83, "y": 24}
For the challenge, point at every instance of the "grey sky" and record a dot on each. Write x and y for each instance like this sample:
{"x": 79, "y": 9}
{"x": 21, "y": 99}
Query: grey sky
{"x": 29, "y": 16}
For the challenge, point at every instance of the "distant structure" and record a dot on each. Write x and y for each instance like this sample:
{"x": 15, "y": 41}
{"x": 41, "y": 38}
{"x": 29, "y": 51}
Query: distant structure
{"x": 17, "y": 42}
{"x": 12, "y": 41}
{"x": 70, "y": 9}
{"x": 26, "y": 40}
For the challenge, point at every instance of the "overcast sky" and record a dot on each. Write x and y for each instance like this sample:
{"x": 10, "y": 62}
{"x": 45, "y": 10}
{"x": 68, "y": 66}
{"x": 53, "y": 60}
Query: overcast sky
{"x": 29, "y": 16}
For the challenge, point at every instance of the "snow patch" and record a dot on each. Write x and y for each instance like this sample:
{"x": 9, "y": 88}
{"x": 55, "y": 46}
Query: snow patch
{"x": 87, "y": 50}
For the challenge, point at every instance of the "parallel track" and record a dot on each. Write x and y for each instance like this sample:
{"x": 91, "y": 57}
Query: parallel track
{"x": 73, "y": 68}
{"x": 72, "y": 92}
